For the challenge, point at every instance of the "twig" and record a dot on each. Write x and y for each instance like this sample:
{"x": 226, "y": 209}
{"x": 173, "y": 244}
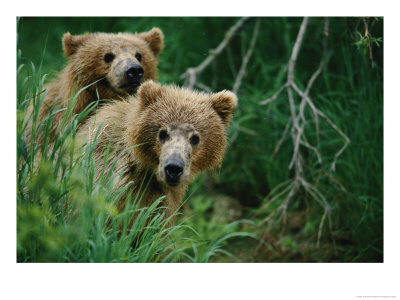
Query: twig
{"x": 312, "y": 148}
{"x": 246, "y": 58}
{"x": 323, "y": 60}
{"x": 275, "y": 96}
{"x": 321, "y": 224}
{"x": 319, "y": 70}
{"x": 230, "y": 61}
{"x": 296, "y": 130}
{"x": 191, "y": 74}
{"x": 367, "y": 35}
{"x": 278, "y": 145}
{"x": 277, "y": 196}
{"x": 329, "y": 121}
{"x": 203, "y": 87}
{"x": 296, "y": 49}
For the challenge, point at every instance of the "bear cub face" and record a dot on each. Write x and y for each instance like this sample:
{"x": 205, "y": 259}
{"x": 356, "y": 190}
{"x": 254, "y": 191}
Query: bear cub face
{"x": 177, "y": 143}
{"x": 123, "y": 61}
{"x": 179, "y": 132}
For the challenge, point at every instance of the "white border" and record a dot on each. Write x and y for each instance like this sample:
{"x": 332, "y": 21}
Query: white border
{"x": 199, "y": 281}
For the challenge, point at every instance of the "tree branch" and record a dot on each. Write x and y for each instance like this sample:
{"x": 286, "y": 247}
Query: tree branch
{"x": 191, "y": 74}
{"x": 246, "y": 58}
{"x": 297, "y": 122}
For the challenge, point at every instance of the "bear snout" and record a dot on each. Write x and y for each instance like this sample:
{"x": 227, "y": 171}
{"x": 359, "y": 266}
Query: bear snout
{"x": 134, "y": 73}
{"x": 132, "y": 76}
{"x": 129, "y": 75}
{"x": 173, "y": 168}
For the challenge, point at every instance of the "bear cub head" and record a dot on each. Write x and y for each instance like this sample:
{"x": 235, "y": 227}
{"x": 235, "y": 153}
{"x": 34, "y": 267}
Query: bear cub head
{"x": 122, "y": 62}
{"x": 179, "y": 132}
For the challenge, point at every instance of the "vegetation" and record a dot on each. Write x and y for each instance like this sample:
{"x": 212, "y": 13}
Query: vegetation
{"x": 245, "y": 211}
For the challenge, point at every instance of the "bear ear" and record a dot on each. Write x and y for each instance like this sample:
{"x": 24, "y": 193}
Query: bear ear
{"x": 223, "y": 103}
{"x": 149, "y": 92}
{"x": 72, "y": 42}
{"x": 154, "y": 38}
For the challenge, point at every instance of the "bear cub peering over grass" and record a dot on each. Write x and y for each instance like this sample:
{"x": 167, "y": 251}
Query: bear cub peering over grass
{"x": 119, "y": 63}
{"x": 177, "y": 132}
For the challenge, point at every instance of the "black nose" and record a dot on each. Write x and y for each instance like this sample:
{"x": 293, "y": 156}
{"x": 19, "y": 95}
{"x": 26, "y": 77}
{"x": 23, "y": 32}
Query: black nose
{"x": 173, "y": 170}
{"x": 134, "y": 72}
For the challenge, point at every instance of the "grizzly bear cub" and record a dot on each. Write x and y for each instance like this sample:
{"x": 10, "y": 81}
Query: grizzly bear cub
{"x": 107, "y": 66}
{"x": 165, "y": 131}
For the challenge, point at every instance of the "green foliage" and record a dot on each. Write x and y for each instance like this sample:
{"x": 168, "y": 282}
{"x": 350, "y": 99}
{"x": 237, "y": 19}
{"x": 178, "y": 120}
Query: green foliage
{"x": 364, "y": 42}
{"x": 349, "y": 91}
{"x": 203, "y": 238}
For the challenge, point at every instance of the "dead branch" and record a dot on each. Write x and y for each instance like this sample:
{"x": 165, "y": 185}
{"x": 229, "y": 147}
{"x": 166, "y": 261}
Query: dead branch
{"x": 278, "y": 145}
{"x": 230, "y": 61}
{"x": 203, "y": 87}
{"x": 297, "y": 122}
{"x": 300, "y": 136}
{"x": 246, "y": 58}
{"x": 296, "y": 49}
{"x": 191, "y": 74}
{"x": 317, "y": 112}
{"x": 275, "y": 96}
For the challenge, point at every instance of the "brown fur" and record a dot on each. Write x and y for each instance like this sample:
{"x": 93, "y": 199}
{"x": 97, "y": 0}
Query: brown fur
{"x": 139, "y": 120}
{"x": 86, "y": 65}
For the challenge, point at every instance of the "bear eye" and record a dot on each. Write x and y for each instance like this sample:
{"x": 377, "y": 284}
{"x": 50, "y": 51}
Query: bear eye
{"x": 109, "y": 57}
{"x": 163, "y": 135}
{"x": 138, "y": 57}
{"x": 194, "y": 139}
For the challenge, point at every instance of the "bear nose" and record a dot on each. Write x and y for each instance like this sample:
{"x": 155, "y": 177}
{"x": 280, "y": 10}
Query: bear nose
{"x": 134, "y": 72}
{"x": 173, "y": 170}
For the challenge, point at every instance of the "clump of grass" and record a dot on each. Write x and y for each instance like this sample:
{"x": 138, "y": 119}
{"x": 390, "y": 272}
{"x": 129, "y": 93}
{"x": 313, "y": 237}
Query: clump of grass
{"x": 204, "y": 239}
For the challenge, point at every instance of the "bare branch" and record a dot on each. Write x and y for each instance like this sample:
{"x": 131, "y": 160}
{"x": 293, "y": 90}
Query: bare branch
{"x": 312, "y": 148}
{"x": 296, "y": 130}
{"x": 191, "y": 74}
{"x": 321, "y": 224}
{"x": 323, "y": 60}
{"x": 230, "y": 61}
{"x": 203, "y": 87}
{"x": 280, "y": 208}
{"x": 278, "y": 145}
{"x": 333, "y": 125}
{"x": 319, "y": 70}
{"x": 296, "y": 49}
{"x": 297, "y": 122}
{"x": 276, "y": 95}
{"x": 246, "y": 58}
